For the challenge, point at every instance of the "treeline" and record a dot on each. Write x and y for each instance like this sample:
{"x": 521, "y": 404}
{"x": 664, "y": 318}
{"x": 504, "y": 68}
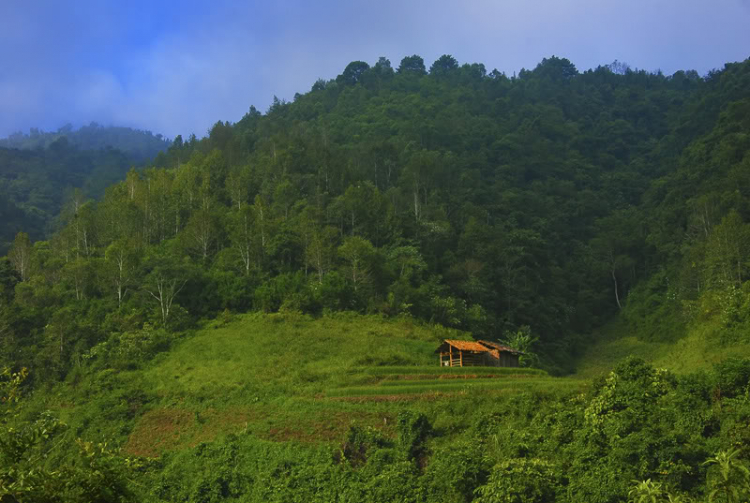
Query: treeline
{"x": 552, "y": 199}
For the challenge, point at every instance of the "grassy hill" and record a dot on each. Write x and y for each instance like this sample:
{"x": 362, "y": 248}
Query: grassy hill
{"x": 292, "y": 377}
{"x": 285, "y": 377}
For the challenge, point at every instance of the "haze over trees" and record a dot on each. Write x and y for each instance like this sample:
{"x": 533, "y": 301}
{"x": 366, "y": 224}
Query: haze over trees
{"x": 139, "y": 145}
{"x": 40, "y": 170}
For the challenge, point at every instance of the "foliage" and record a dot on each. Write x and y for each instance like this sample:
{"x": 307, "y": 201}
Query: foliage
{"x": 523, "y": 341}
{"x": 39, "y": 171}
{"x": 232, "y": 418}
{"x": 520, "y": 481}
{"x": 368, "y": 219}
{"x": 89, "y": 472}
{"x": 413, "y": 431}
{"x": 555, "y": 199}
{"x": 730, "y": 481}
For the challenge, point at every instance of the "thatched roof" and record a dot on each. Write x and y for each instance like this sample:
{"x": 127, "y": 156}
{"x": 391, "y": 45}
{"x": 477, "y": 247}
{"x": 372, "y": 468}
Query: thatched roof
{"x": 463, "y": 346}
{"x": 476, "y": 346}
{"x": 501, "y": 347}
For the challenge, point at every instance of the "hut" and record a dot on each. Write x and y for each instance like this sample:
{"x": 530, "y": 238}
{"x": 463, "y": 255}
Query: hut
{"x": 502, "y": 355}
{"x": 454, "y": 353}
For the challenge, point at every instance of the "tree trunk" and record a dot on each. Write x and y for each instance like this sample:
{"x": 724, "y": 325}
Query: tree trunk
{"x": 617, "y": 294}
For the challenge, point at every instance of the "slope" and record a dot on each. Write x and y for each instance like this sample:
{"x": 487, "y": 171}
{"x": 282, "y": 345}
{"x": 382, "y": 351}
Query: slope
{"x": 251, "y": 409}
{"x": 281, "y": 377}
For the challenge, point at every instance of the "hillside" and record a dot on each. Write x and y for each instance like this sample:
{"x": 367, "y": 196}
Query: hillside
{"x": 273, "y": 375}
{"x": 552, "y": 200}
{"x": 705, "y": 344}
{"x": 253, "y": 318}
{"x": 279, "y": 376}
{"x": 283, "y": 407}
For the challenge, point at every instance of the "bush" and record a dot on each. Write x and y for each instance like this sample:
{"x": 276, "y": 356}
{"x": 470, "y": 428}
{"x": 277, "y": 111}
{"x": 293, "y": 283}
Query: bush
{"x": 413, "y": 430}
{"x": 521, "y": 481}
{"x": 454, "y": 473}
{"x": 290, "y": 291}
{"x": 733, "y": 376}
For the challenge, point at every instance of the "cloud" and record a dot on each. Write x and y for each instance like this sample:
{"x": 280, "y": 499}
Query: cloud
{"x": 177, "y": 68}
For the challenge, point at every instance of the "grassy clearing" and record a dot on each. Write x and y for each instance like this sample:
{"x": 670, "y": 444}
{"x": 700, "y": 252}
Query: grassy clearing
{"x": 283, "y": 378}
{"x": 277, "y": 355}
{"x": 700, "y": 348}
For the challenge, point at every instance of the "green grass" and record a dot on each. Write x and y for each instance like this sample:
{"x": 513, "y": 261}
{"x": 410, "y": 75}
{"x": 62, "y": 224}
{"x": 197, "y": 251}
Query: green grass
{"x": 393, "y": 383}
{"x": 699, "y": 348}
{"x": 277, "y": 355}
{"x": 448, "y": 371}
{"x": 461, "y": 386}
{"x": 292, "y": 377}
{"x": 279, "y": 377}
{"x": 289, "y": 378}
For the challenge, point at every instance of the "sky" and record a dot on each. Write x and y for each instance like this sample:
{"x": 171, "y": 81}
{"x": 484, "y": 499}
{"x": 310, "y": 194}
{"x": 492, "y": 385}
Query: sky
{"x": 178, "y": 67}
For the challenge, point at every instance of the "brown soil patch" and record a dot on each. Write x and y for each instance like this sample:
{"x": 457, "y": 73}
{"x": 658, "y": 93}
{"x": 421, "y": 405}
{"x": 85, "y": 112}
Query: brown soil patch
{"x": 160, "y": 430}
{"x": 166, "y": 429}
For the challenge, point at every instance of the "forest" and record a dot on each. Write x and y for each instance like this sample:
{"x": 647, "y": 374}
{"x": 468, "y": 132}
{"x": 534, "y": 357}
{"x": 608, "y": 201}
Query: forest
{"x": 542, "y": 205}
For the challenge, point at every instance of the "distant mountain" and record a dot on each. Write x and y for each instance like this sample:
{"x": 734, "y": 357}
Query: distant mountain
{"x": 137, "y": 144}
{"x": 40, "y": 170}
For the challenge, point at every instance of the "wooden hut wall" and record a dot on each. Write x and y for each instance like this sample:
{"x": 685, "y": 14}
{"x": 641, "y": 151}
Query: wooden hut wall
{"x": 471, "y": 359}
{"x": 492, "y": 359}
{"x": 508, "y": 360}
{"x": 450, "y": 359}
{"x": 457, "y": 358}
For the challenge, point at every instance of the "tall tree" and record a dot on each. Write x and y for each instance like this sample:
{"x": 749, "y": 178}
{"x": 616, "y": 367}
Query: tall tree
{"x": 165, "y": 280}
{"x": 121, "y": 262}
{"x": 20, "y": 255}
{"x": 358, "y": 253}
{"x": 412, "y": 64}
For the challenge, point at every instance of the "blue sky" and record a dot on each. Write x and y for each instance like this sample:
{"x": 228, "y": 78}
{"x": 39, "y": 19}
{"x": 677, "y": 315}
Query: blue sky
{"x": 178, "y": 67}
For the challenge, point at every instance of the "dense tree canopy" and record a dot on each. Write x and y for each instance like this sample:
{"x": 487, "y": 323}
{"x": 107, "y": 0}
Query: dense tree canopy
{"x": 552, "y": 199}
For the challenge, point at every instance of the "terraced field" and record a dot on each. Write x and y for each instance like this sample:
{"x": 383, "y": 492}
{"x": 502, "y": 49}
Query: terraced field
{"x": 291, "y": 378}
{"x": 417, "y": 381}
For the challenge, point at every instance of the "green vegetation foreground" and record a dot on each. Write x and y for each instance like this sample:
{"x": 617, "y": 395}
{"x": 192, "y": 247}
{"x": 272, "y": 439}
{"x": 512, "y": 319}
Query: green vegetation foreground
{"x": 220, "y": 418}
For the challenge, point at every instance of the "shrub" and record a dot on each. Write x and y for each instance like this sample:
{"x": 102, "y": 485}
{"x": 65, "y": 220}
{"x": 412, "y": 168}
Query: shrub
{"x": 733, "y": 376}
{"x": 521, "y": 481}
{"x": 454, "y": 472}
{"x": 413, "y": 430}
